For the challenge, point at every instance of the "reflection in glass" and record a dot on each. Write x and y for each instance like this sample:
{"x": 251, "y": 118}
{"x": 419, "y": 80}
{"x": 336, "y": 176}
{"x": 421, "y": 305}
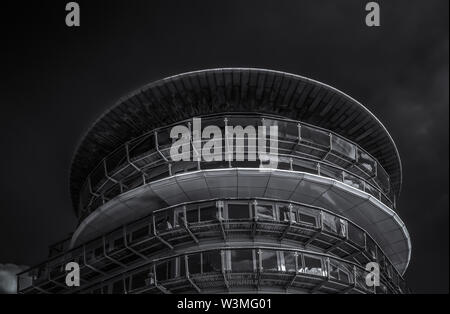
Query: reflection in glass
{"x": 265, "y": 212}
{"x": 289, "y": 261}
{"x": 343, "y": 147}
{"x": 269, "y": 260}
{"x": 313, "y": 265}
{"x": 241, "y": 260}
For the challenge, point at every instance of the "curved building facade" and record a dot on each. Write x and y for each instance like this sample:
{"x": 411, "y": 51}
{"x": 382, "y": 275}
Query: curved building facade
{"x": 151, "y": 221}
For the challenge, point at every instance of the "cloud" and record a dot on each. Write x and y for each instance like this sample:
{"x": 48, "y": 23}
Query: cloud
{"x": 8, "y": 280}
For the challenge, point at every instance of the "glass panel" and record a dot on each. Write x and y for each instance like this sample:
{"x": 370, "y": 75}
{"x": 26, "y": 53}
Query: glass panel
{"x": 356, "y": 235}
{"x": 212, "y": 262}
{"x": 161, "y": 271}
{"x": 334, "y": 224}
{"x": 343, "y": 147}
{"x": 328, "y": 222}
{"x": 238, "y": 211}
{"x": 284, "y": 214}
{"x": 288, "y": 131}
{"x": 315, "y": 136}
{"x": 269, "y": 260}
{"x": 313, "y": 265}
{"x": 208, "y": 213}
{"x": 383, "y": 178}
{"x": 331, "y": 172}
{"x": 265, "y": 212}
{"x": 366, "y": 163}
{"x": 242, "y": 260}
{"x": 164, "y": 220}
{"x": 353, "y": 181}
{"x": 339, "y": 271}
{"x": 172, "y": 268}
{"x": 289, "y": 261}
{"x": 194, "y": 263}
{"x": 372, "y": 191}
{"x": 306, "y": 215}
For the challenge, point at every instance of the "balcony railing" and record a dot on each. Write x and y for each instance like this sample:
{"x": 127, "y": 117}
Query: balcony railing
{"x": 301, "y": 147}
{"x": 123, "y": 248}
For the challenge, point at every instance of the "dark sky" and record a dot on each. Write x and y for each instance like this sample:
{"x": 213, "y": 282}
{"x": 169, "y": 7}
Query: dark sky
{"x": 55, "y": 81}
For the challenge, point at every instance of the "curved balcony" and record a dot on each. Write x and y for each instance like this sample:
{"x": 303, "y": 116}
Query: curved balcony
{"x": 209, "y": 223}
{"x": 301, "y": 147}
{"x": 238, "y": 269}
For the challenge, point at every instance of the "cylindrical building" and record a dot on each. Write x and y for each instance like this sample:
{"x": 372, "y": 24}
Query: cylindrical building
{"x": 311, "y": 222}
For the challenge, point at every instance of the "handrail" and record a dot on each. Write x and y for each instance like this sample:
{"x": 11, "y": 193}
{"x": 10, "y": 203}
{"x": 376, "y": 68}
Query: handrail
{"x": 225, "y": 116}
{"x": 366, "y": 183}
{"x": 152, "y": 215}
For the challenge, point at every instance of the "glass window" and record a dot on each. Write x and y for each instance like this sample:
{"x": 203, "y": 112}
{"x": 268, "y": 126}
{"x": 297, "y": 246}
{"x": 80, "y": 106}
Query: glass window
{"x": 284, "y": 214}
{"x": 211, "y": 262}
{"x": 265, "y": 212}
{"x": 313, "y": 265}
{"x": 328, "y": 222}
{"x": 208, "y": 213}
{"x": 172, "y": 268}
{"x": 242, "y": 260}
{"x": 339, "y": 271}
{"x": 162, "y": 271}
{"x": 306, "y": 215}
{"x": 289, "y": 261}
{"x": 238, "y": 211}
{"x": 269, "y": 260}
{"x": 356, "y": 235}
{"x": 334, "y": 224}
{"x": 194, "y": 263}
{"x": 343, "y": 147}
{"x": 163, "y": 221}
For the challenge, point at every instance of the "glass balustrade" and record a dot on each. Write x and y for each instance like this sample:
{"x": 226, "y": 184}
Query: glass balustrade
{"x": 136, "y": 238}
{"x": 301, "y": 147}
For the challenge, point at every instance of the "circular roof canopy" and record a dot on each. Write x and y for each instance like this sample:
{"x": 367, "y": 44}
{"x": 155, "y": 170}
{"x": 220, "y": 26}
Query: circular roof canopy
{"x": 211, "y": 91}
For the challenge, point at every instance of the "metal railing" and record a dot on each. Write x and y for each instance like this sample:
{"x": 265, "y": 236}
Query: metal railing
{"x": 190, "y": 217}
{"x": 300, "y": 146}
